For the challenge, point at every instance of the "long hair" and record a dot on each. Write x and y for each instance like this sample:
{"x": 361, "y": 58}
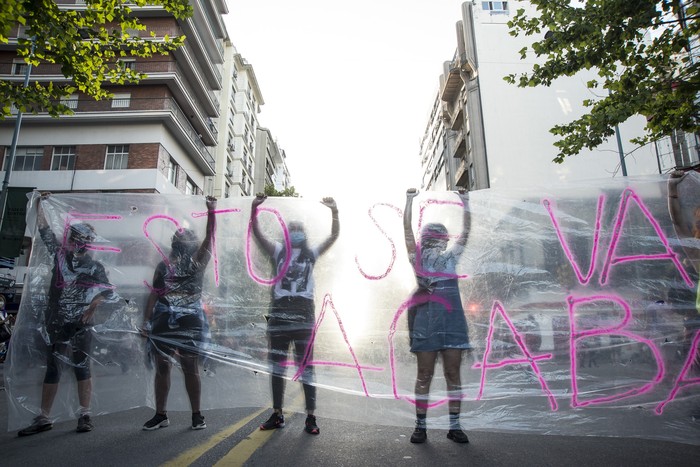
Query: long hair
{"x": 184, "y": 243}
{"x": 432, "y": 235}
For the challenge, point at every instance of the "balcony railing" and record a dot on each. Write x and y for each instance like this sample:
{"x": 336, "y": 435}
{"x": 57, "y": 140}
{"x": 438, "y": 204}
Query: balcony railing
{"x": 148, "y": 67}
{"x": 134, "y": 107}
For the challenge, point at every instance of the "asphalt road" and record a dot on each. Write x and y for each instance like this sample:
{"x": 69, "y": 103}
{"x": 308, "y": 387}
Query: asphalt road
{"x": 232, "y": 438}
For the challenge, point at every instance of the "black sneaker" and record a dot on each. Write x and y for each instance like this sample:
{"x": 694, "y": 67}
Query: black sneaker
{"x": 310, "y": 425}
{"x": 39, "y": 424}
{"x": 276, "y": 420}
{"x": 158, "y": 421}
{"x": 458, "y": 436}
{"x": 420, "y": 435}
{"x": 198, "y": 421}
{"x": 84, "y": 424}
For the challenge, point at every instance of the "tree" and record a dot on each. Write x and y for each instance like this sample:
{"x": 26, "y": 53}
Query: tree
{"x": 86, "y": 42}
{"x": 271, "y": 191}
{"x": 640, "y": 50}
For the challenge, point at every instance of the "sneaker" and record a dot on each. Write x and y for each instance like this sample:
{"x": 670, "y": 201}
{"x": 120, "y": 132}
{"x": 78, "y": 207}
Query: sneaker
{"x": 420, "y": 435}
{"x": 84, "y": 424}
{"x": 310, "y": 425}
{"x": 276, "y": 420}
{"x": 158, "y": 421}
{"x": 39, "y": 424}
{"x": 198, "y": 421}
{"x": 458, "y": 436}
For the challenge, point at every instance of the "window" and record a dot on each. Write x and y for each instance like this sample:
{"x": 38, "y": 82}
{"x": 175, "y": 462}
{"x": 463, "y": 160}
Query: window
{"x": 127, "y": 64}
{"x": 19, "y": 68}
{"x": 117, "y": 157}
{"x": 172, "y": 172}
{"x": 121, "y": 100}
{"x": 71, "y": 101}
{"x": 495, "y": 7}
{"x": 63, "y": 158}
{"x": 26, "y": 158}
{"x": 189, "y": 187}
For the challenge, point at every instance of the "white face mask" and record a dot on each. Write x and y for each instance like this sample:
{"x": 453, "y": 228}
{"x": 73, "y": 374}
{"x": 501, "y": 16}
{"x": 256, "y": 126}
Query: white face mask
{"x": 297, "y": 237}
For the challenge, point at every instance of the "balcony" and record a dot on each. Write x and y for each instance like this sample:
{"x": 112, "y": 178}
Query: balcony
{"x": 453, "y": 83}
{"x": 166, "y": 72}
{"x": 130, "y": 110}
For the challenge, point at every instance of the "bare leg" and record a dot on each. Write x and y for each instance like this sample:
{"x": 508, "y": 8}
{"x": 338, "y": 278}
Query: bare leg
{"x": 162, "y": 382}
{"x": 84, "y": 393}
{"x": 48, "y": 394}
{"x": 451, "y": 361}
{"x": 193, "y": 383}
{"x": 424, "y": 376}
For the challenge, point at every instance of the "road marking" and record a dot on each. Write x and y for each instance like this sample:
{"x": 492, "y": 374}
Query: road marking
{"x": 243, "y": 450}
{"x": 254, "y": 441}
{"x": 191, "y": 455}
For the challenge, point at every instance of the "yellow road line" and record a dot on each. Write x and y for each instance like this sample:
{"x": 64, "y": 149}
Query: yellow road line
{"x": 243, "y": 450}
{"x": 191, "y": 455}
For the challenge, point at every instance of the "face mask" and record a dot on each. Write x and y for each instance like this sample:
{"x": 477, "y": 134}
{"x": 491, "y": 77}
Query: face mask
{"x": 80, "y": 248}
{"x": 434, "y": 244}
{"x": 297, "y": 237}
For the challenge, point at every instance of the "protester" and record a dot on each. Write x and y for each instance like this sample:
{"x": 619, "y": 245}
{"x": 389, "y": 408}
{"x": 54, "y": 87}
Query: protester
{"x": 689, "y": 231}
{"x": 437, "y": 324}
{"x": 78, "y": 286}
{"x": 174, "y": 319}
{"x": 685, "y": 229}
{"x": 292, "y": 313}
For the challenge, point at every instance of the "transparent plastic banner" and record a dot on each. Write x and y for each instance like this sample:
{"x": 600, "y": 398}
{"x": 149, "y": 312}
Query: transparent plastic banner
{"x": 580, "y": 302}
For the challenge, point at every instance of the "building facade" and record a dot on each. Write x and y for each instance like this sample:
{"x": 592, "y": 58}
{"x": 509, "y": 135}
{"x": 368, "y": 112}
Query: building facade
{"x": 241, "y": 101}
{"x": 157, "y": 136}
{"x": 270, "y": 162}
{"x": 483, "y": 132}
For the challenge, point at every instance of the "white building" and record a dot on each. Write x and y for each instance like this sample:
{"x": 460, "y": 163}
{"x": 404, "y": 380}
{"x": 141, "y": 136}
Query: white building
{"x": 241, "y": 125}
{"x": 484, "y": 132}
{"x": 270, "y": 163}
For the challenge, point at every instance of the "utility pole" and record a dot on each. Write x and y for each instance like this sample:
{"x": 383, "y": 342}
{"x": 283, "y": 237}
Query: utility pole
{"x": 620, "y": 151}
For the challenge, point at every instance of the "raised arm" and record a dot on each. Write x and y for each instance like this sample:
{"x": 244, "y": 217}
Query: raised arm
{"x": 205, "y": 249}
{"x": 264, "y": 243}
{"x": 335, "y": 226}
{"x": 40, "y": 215}
{"x": 45, "y": 232}
{"x": 407, "y": 221}
{"x": 466, "y": 217}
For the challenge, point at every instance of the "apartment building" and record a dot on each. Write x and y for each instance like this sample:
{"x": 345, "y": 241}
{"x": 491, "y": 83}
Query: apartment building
{"x": 158, "y": 136}
{"x": 483, "y": 132}
{"x": 155, "y": 137}
{"x": 270, "y": 162}
{"x": 238, "y": 124}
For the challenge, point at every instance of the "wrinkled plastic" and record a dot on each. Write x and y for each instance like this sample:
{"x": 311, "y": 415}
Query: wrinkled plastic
{"x": 580, "y": 302}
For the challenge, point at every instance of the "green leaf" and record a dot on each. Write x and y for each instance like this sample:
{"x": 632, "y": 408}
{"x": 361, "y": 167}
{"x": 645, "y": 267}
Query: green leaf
{"x": 635, "y": 48}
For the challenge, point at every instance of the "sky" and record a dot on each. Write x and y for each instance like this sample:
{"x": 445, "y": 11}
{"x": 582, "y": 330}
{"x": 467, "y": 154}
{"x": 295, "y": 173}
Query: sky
{"x": 348, "y": 85}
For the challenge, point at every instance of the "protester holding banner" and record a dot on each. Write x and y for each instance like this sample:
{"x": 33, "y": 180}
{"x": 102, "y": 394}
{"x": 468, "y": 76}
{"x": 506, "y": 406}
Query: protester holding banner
{"x": 174, "y": 318}
{"x": 292, "y": 314}
{"x": 685, "y": 229}
{"x": 437, "y": 325}
{"x": 78, "y": 286}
